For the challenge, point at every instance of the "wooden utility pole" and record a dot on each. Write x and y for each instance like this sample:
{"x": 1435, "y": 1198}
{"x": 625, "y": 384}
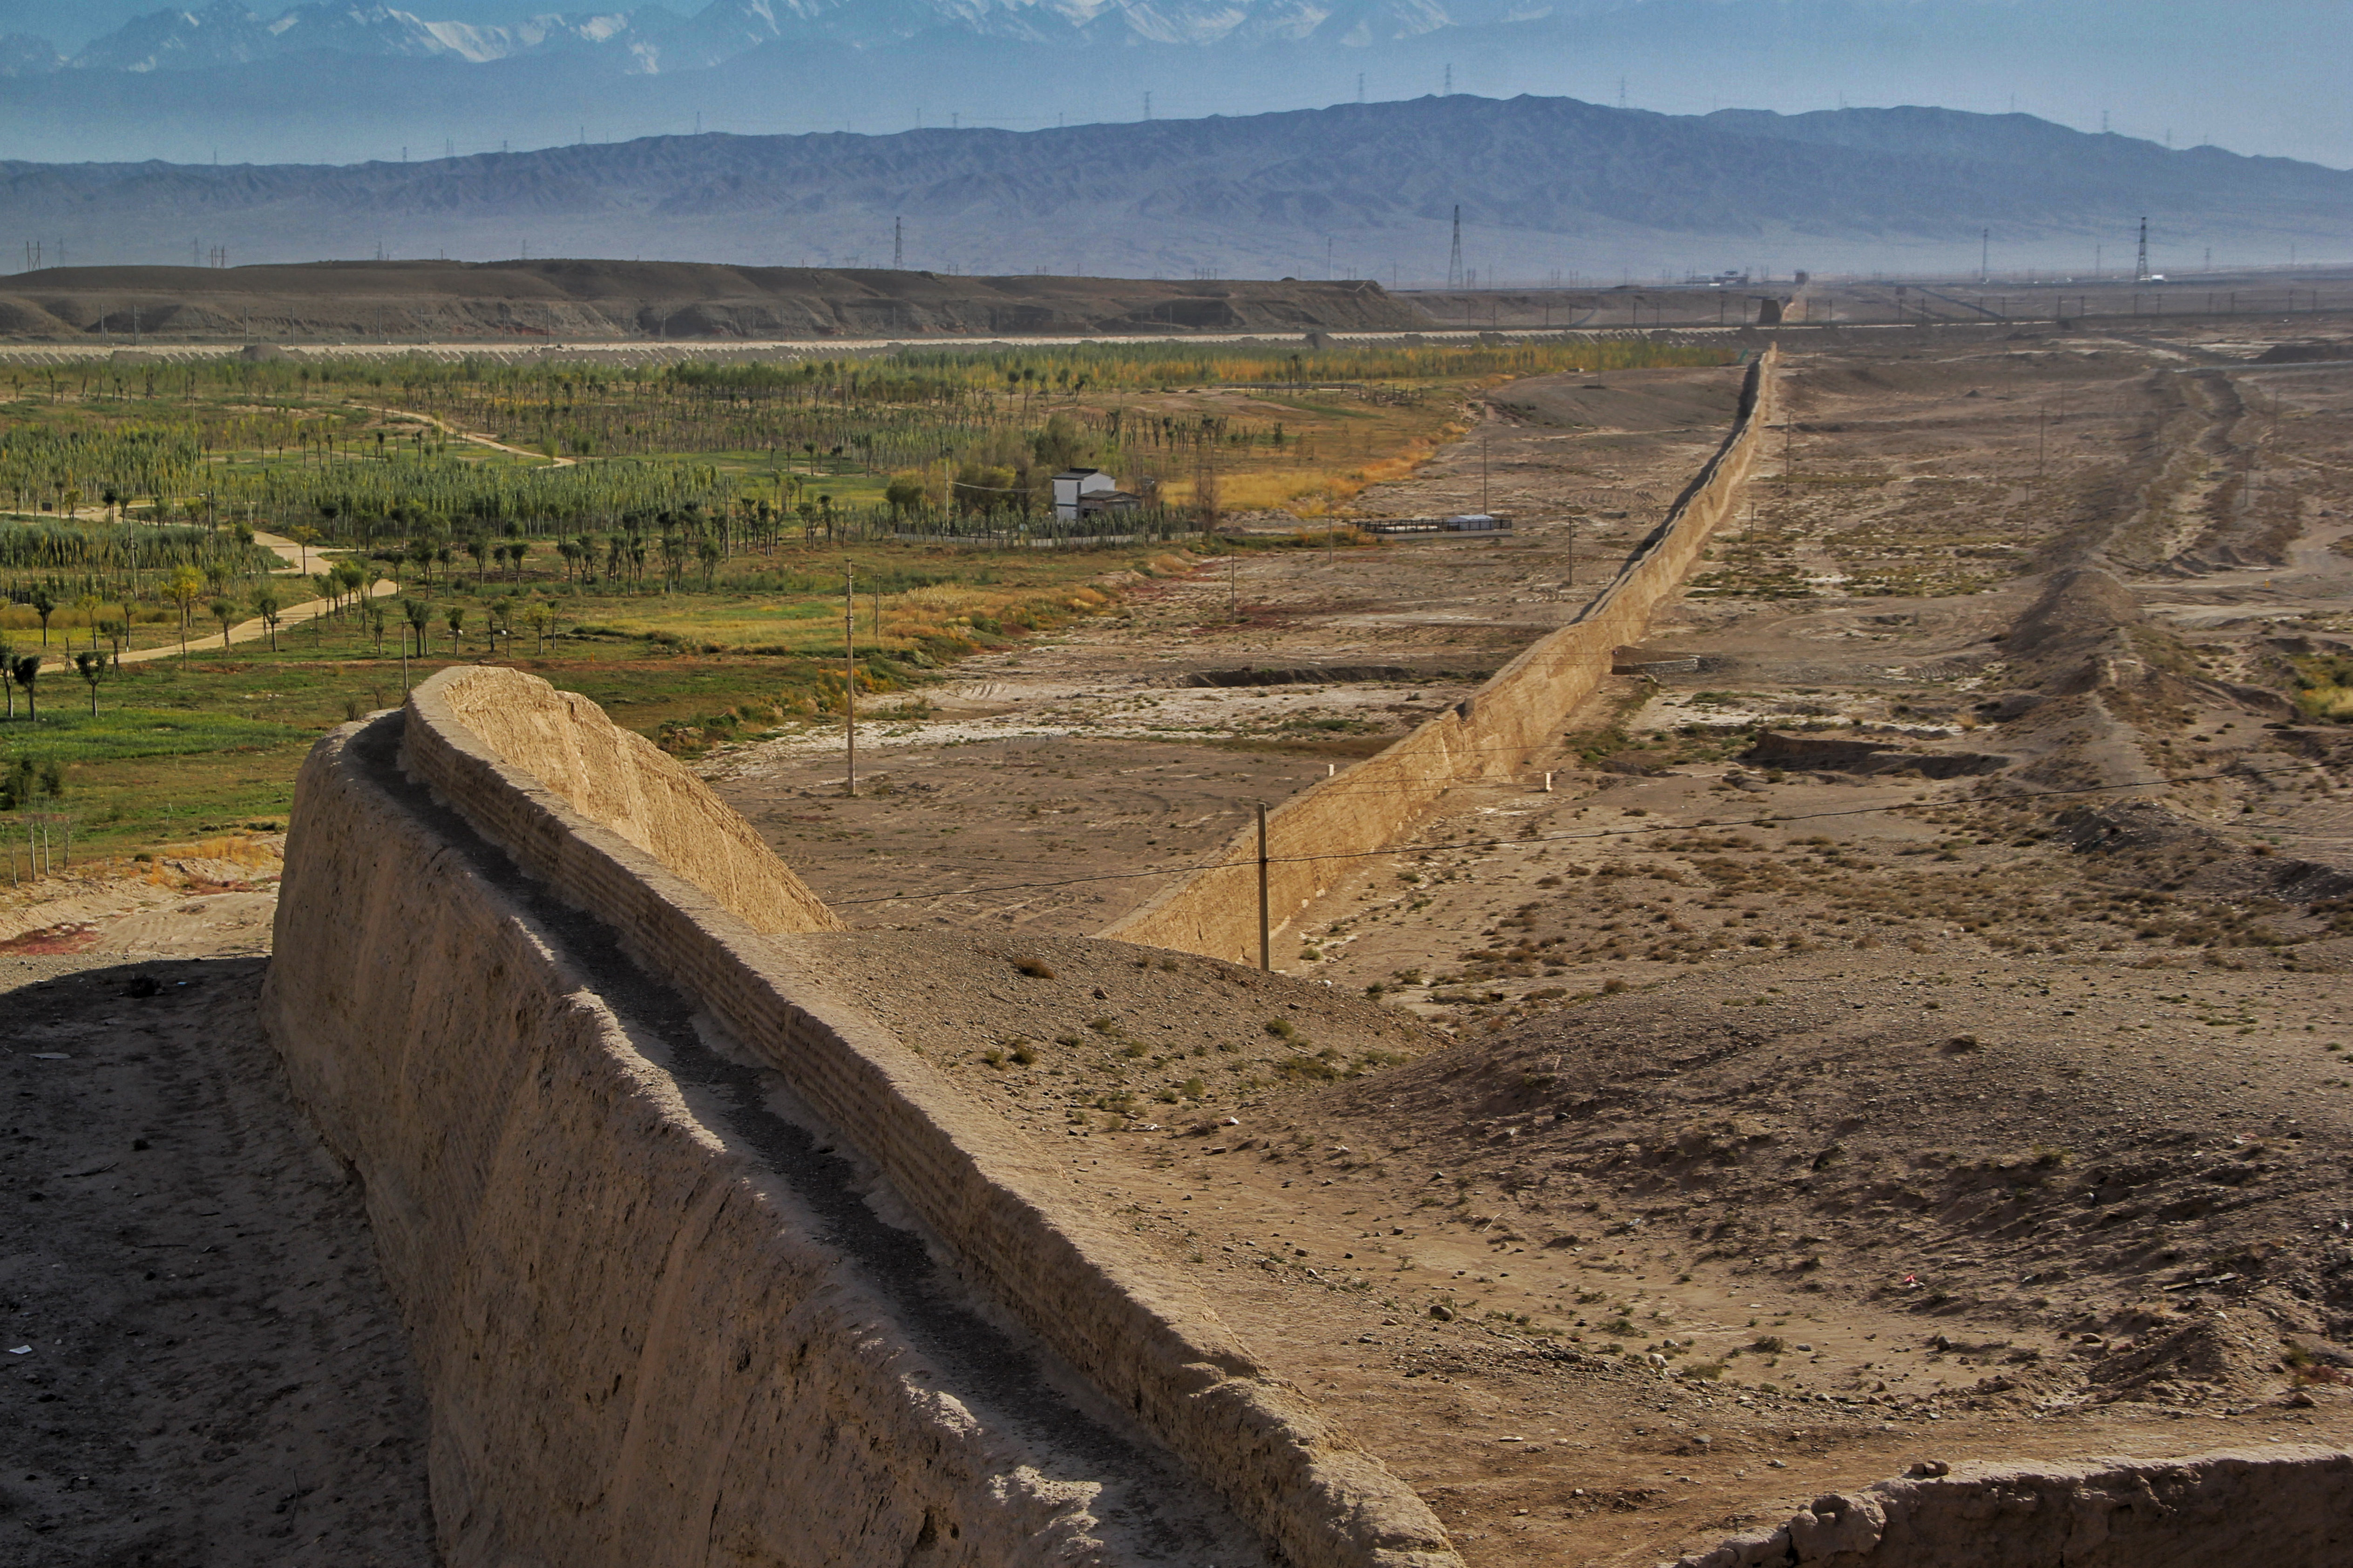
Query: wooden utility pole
{"x": 849, "y": 672}
{"x": 1265, "y": 938}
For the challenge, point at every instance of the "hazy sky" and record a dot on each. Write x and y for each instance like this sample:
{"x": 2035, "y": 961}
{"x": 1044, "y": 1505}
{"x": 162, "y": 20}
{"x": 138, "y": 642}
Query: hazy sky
{"x": 2255, "y": 76}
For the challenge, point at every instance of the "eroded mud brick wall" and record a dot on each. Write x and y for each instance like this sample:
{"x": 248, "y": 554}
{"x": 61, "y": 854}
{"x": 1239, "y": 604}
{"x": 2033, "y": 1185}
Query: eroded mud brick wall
{"x": 1005, "y": 1213}
{"x": 1490, "y": 735}
{"x": 2287, "y": 1508}
{"x": 622, "y": 781}
{"x": 635, "y": 1352}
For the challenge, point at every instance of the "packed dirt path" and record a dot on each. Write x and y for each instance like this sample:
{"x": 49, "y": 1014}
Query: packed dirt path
{"x": 297, "y": 558}
{"x": 201, "y": 1362}
{"x": 475, "y": 438}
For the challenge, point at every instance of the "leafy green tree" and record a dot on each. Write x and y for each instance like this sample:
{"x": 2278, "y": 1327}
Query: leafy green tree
{"x": 182, "y": 588}
{"x": 224, "y": 612}
{"x": 92, "y": 667}
{"x": 420, "y": 615}
{"x": 27, "y": 671}
{"x": 905, "y": 494}
{"x": 323, "y": 585}
{"x": 44, "y": 606}
{"x": 268, "y": 605}
{"x": 303, "y": 534}
{"x": 455, "y": 618}
{"x": 1060, "y": 445}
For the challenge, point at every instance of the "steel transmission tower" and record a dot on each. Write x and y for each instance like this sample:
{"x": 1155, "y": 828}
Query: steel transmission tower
{"x": 898, "y": 246}
{"x": 1454, "y": 260}
{"x": 2140, "y": 263}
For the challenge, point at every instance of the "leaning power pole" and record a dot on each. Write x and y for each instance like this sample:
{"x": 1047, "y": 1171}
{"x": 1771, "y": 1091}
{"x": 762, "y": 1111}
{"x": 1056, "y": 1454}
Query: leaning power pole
{"x": 2140, "y": 262}
{"x": 1454, "y": 261}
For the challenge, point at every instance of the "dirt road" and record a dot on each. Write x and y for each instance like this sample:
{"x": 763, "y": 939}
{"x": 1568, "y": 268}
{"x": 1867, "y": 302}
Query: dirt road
{"x": 298, "y": 558}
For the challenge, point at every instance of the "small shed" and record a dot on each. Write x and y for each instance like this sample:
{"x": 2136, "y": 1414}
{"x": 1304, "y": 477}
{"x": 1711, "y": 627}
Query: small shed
{"x": 1073, "y": 486}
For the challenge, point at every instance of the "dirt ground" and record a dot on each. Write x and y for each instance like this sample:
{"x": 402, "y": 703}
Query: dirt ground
{"x": 1803, "y": 1111}
{"x": 1957, "y": 1071}
{"x": 201, "y": 1362}
{"x": 1405, "y": 628}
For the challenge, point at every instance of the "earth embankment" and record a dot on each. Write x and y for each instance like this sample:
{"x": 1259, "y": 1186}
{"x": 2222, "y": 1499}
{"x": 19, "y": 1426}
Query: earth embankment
{"x": 535, "y": 303}
{"x": 652, "y": 1323}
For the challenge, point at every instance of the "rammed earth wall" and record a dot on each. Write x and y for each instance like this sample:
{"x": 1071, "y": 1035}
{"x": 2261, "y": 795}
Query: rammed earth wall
{"x": 2287, "y": 1508}
{"x": 637, "y": 1346}
{"x": 412, "y": 1039}
{"x": 1490, "y": 733}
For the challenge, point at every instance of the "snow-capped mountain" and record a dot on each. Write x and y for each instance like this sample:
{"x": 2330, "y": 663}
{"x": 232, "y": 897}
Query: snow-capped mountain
{"x": 21, "y": 54}
{"x": 352, "y": 80}
{"x": 229, "y": 32}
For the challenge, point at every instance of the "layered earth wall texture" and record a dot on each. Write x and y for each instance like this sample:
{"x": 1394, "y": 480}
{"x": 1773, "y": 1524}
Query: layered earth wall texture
{"x": 513, "y": 941}
{"x": 2286, "y": 1509}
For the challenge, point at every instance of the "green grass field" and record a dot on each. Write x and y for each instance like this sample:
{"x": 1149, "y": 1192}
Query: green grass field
{"x": 686, "y": 572}
{"x": 182, "y": 747}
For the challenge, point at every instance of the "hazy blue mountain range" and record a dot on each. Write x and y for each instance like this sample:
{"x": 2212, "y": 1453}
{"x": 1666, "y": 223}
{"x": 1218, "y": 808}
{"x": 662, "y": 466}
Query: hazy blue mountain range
{"x": 346, "y": 80}
{"x": 1544, "y": 186}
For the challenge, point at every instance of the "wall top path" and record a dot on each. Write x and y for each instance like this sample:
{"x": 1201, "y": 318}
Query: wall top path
{"x": 1135, "y": 1329}
{"x": 622, "y": 780}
